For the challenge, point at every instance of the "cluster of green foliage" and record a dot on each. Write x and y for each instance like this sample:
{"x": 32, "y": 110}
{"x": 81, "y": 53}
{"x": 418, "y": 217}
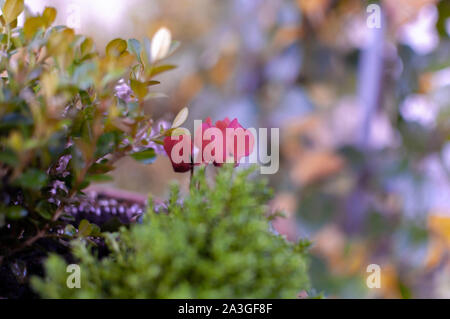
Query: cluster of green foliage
{"x": 216, "y": 244}
{"x": 63, "y": 123}
{"x": 57, "y": 98}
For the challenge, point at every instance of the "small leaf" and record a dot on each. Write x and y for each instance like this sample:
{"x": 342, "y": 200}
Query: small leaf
{"x": 147, "y": 156}
{"x": 111, "y": 238}
{"x": 160, "y": 69}
{"x": 11, "y": 10}
{"x": 99, "y": 178}
{"x": 139, "y": 88}
{"x": 150, "y": 83}
{"x": 95, "y": 230}
{"x": 16, "y": 212}
{"x": 49, "y": 83}
{"x": 100, "y": 168}
{"x": 49, "y": 16}
{"x": 105, "y": 144}
{"x": 86, "y": 46}
{"x": 179, "y": 131}
{"x": 160, "y": 44}
{"x": 145, "y": 55}
{"x": 32, "y": 179}
{"x": 173, "y": 47}
{"x": 85, "y": 228}
{"x": 59, "y": 41}
{"x": 70, "y": 231}
{"x": 44, "y": 209}
{"x": 116, "y": 47}
{"x": 9, "y": 157}
{"x": 180, "y": 118}
{"x": 134, "y": 46}
{"x": 32, "y": 25}
{"x": 14, "y": 24}
{"x": 158, "y": 142}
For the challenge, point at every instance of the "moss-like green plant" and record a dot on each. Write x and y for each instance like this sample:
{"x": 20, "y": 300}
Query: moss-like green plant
{"x": 215, "y": 244}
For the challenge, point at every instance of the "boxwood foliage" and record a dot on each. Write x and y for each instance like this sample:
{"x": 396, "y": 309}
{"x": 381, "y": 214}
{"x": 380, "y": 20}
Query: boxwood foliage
{"x": 63, "y": 121}
{"x": 214, "y": 244}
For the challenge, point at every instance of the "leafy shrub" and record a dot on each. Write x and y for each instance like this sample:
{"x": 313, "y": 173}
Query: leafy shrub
{"x": 67, "y": 114}
{"x": 216, "y": 244}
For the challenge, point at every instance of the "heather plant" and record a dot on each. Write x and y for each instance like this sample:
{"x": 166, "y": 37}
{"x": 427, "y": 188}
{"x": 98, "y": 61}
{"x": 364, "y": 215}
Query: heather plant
{"x": 216, "y": 243}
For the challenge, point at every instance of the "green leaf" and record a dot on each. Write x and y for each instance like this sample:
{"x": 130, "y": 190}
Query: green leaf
{"x": 11, "y": 10}
{"x": 139, "y": 88}
{"x": 100, "y": 168}
{"x": 85, "y": 228}
{"x": 95, "y": 230}
{"x": 16, "y": 212}
{"x": 70, "y": 231}
{"x": 99, "y": 178}
{"x": 49, "y": 16}
{"x": 177, "y": 131}
{"x": 14, "y": 24}
{"x": 145, "y": 54}
{"x": 105, "y": 144}
{"x": 86, "y": 46}
{"x": 147, "y": 156}
{"x": 158, "y": 142}
{"x": 32, "y": 179}
{"x": 444, "y": 15}
{"x": 134, "y": 46}
{"x": 32, "y": 25}
{"x": 173, "y": 47}
{"x": 44, "y": 209}
{"x": 9, "y": 157}
{"x": 160, "y": 69}
{"x": 85, "y": 98}
{"x": 116, "y": 47}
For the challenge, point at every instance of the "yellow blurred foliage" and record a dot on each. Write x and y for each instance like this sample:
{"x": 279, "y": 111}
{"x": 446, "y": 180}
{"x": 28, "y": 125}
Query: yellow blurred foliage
{"x": 389, "y": 282}
{"x": 439, "y": 245}
{"x": 313, "y": 166}
{"x": 314, "y": 10}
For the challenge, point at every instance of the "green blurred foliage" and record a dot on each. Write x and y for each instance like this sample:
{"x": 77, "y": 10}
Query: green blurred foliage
{"x": 215, "y": 244}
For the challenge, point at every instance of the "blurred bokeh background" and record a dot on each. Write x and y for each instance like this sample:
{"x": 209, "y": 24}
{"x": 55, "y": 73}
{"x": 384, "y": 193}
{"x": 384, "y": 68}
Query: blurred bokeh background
{"x": 363, "y": 113}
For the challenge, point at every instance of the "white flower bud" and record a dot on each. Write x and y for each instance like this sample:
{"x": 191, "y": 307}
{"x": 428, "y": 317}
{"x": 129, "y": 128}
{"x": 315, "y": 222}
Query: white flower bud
{"x": 160, "y": 44}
